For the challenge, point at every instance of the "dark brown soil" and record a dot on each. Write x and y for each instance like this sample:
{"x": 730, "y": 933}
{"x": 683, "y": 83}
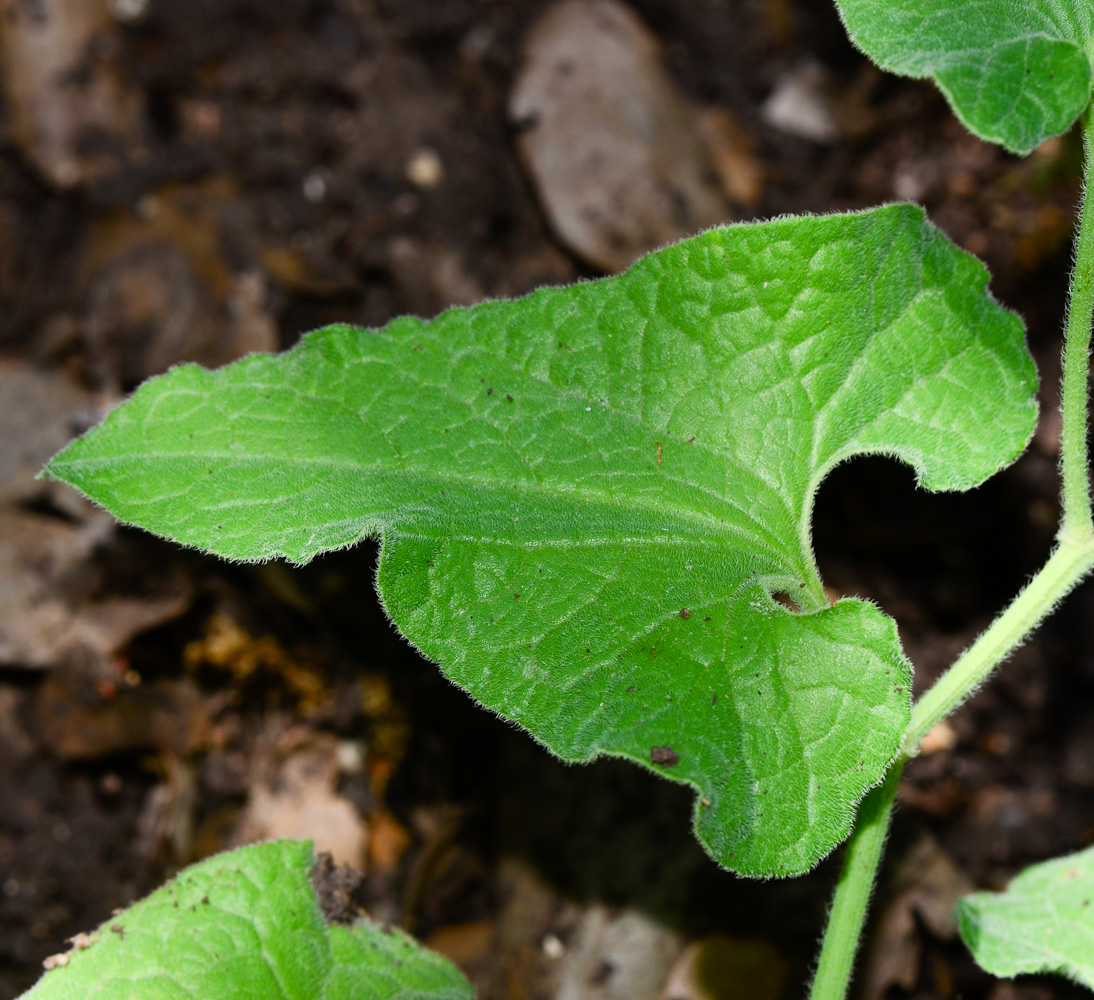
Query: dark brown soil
{"x": 242, "y": 101}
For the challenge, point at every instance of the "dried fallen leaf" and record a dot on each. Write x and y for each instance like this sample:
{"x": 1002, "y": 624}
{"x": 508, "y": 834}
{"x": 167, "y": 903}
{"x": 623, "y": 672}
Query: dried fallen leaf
{"x": 927, "y": 886}
{"x": 78, "y": 723}
{"x": 62, "y": 84}
{"x": 616, "y": 153}
{"x": 54, "y": 608}
{"x": 296, "y": 799}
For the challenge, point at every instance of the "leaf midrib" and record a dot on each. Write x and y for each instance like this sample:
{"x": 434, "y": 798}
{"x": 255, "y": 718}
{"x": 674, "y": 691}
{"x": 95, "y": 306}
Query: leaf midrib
{"x": 709, "y": 529}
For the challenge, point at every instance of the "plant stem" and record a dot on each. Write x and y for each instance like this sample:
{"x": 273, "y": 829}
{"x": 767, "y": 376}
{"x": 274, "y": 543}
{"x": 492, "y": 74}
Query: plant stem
{"x": 1071, "y": 561}
{"x": 856, "y": 883}
{"x": 1074, "y": 461}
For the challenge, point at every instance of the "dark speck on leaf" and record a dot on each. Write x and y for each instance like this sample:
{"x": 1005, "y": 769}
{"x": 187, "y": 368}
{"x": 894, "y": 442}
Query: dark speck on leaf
{"x": 714, "y": 700}
{"x": 684, "y": 613}
{"x": 516, "y": 597}
{"x": 665, "y": 756}
{"x": 508, "y": 398}
{"x": 707, "y": 619}
{"x": 630, "y": 688}
{"x": 490, "y": 391}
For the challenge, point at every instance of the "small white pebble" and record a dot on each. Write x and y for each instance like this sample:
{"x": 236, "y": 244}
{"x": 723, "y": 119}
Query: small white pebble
{"x": 128, "y": 11}
{"x": 908, "y": 184}
{"x": 315, "y": 187}
{"x": 425, "y": 169}
{"x": 351, "y": 756}
{"x": 553, "y": 947}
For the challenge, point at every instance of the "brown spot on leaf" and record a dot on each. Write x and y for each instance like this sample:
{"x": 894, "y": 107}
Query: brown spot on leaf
{"x": 684, "y": 613}
{"x": 665, "y": 756}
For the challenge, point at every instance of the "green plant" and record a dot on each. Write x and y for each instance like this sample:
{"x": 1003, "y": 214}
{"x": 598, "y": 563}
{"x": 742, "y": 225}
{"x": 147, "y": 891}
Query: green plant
{"x": 246, "y": 923}
{"x": 595, "y": 501}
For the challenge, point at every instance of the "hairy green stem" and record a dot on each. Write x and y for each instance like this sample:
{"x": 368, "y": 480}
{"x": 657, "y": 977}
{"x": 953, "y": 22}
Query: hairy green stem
{"x": 856, "y": 883}
{"x": 1074, "y": 460}
{"x": 1072, "y": 560}
{"x": 1065, "y": 568}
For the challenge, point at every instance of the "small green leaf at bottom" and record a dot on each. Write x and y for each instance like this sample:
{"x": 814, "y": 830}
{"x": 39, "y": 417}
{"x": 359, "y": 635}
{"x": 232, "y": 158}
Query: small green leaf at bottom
{"x": 1044, "y": 922}
{"x": 245, "y": 924}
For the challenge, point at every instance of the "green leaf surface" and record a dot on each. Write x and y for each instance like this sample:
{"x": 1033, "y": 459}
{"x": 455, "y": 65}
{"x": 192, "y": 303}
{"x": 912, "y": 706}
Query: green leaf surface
{"x": 246, "y": 924}
{"x": 1044, "y": 922}
{"x": 587, "y": 496}
{"x": 374, "y": 963}
{"x": 1015, "y": 71}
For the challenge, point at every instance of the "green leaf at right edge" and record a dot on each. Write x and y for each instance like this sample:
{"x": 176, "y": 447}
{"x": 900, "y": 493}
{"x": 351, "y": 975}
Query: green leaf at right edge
{"x": 588, "y": 496}
{"x": 1015, "y": 71}
{"x": 246, "y": 924}
{"x": 1044, "y": 922}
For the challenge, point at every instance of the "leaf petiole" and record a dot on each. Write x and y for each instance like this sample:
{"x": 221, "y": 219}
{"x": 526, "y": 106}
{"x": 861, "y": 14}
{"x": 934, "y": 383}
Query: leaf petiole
{"x": 1067, "y": 566}
{"x": 1074, "y": 459}
{"x": 856, "y": 881}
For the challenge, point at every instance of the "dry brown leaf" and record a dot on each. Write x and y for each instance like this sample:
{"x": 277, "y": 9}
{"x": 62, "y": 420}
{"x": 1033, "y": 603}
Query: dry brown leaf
{"x": 295, "y": 798}
{"x": 927, "y": 886}
{"x": 616, "y": 154}
{"x": 78, "y": 722}
{"x": 52, "y": 607}
{"x": 62, "y": 84}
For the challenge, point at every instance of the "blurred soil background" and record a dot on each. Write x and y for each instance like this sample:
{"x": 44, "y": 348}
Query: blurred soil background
{"x": 196, "y": 180}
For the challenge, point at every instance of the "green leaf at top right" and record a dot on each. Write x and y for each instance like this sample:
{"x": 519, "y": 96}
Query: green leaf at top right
{"x": 1044, "y": 922}
{"x": 1014, "y": 71}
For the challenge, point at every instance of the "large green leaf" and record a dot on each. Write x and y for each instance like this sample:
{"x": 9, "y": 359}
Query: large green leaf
{"x": 246, "y": 924}
{"x": 1014, "y": 71}
{"x": 1044, "y": 922}
{"x": 587, "y": 496}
